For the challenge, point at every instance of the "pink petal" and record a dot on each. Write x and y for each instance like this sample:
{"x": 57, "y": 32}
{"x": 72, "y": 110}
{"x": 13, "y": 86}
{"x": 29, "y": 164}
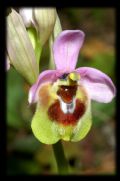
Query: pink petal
{"x": 99, "y": 86}
{"x": 45, "y": 76}
{"x": 66, "y": 49}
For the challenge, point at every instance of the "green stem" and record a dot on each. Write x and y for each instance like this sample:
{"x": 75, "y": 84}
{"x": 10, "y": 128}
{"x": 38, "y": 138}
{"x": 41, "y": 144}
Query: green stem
{"x": 60, "y": 158}
{"x": 38, "y": 51}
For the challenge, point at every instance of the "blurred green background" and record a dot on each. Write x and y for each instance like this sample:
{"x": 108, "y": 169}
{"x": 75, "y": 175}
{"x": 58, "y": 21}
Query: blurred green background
{"x": 96, "y": 153}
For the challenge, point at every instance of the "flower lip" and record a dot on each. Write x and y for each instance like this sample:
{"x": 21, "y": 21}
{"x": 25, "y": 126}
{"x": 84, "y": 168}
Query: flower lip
{"x": 55, "y": 113}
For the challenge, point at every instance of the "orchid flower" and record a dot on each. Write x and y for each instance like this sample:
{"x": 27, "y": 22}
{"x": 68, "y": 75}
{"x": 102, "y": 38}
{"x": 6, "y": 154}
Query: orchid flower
{"x": 64, "y": 95}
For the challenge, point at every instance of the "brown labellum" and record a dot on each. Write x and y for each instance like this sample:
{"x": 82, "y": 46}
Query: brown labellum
{"x": 67, "y": 93}
{"x": 56, "y": 114}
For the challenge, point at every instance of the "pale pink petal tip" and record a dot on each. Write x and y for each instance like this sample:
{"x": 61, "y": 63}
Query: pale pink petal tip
{"x": 66, "y": 49}
{"x": 7, "y": 64}
{"x": 98, "y": 85}
{"x": 26, "y": 14}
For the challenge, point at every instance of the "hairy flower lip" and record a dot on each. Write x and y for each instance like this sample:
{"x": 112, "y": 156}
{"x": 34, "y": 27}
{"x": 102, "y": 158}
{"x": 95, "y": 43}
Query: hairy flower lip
{"x": 67, "y": 108}
{"x": 58, "y": 115}
{"x": 67, "y": 93}
{"x": 68, "y": 103}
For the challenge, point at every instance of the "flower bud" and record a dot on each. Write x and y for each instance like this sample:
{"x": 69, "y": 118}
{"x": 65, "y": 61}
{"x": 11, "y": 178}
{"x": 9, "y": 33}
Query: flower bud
{"x": 19, "y": 48}
{"x": 26, "y": 14}
{"x": 44, "y": 21}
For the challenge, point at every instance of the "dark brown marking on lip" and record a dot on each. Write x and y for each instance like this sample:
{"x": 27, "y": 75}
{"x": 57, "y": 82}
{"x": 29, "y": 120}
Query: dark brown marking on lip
{"x": 56, "y": 114}
{"x": 67, "y": 93}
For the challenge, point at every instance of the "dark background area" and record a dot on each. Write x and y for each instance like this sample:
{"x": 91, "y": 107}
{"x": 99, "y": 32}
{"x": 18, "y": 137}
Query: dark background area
{"x": 95, "y": 154}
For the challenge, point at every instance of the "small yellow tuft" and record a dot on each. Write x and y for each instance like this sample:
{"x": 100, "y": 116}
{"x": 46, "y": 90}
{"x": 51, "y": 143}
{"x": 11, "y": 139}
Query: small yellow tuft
{"x": 74, "y": 76}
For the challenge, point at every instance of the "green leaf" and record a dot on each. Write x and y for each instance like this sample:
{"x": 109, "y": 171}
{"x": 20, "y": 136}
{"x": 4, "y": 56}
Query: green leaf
{"x": 15, "y": 96}
{"x": 26, "y": 144}
{"x": 102, "y": 112}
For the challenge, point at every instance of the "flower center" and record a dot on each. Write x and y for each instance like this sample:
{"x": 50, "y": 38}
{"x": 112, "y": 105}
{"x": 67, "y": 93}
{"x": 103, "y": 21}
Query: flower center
{"x": 67, "y": 109}
{"x": 66, "y": 93}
